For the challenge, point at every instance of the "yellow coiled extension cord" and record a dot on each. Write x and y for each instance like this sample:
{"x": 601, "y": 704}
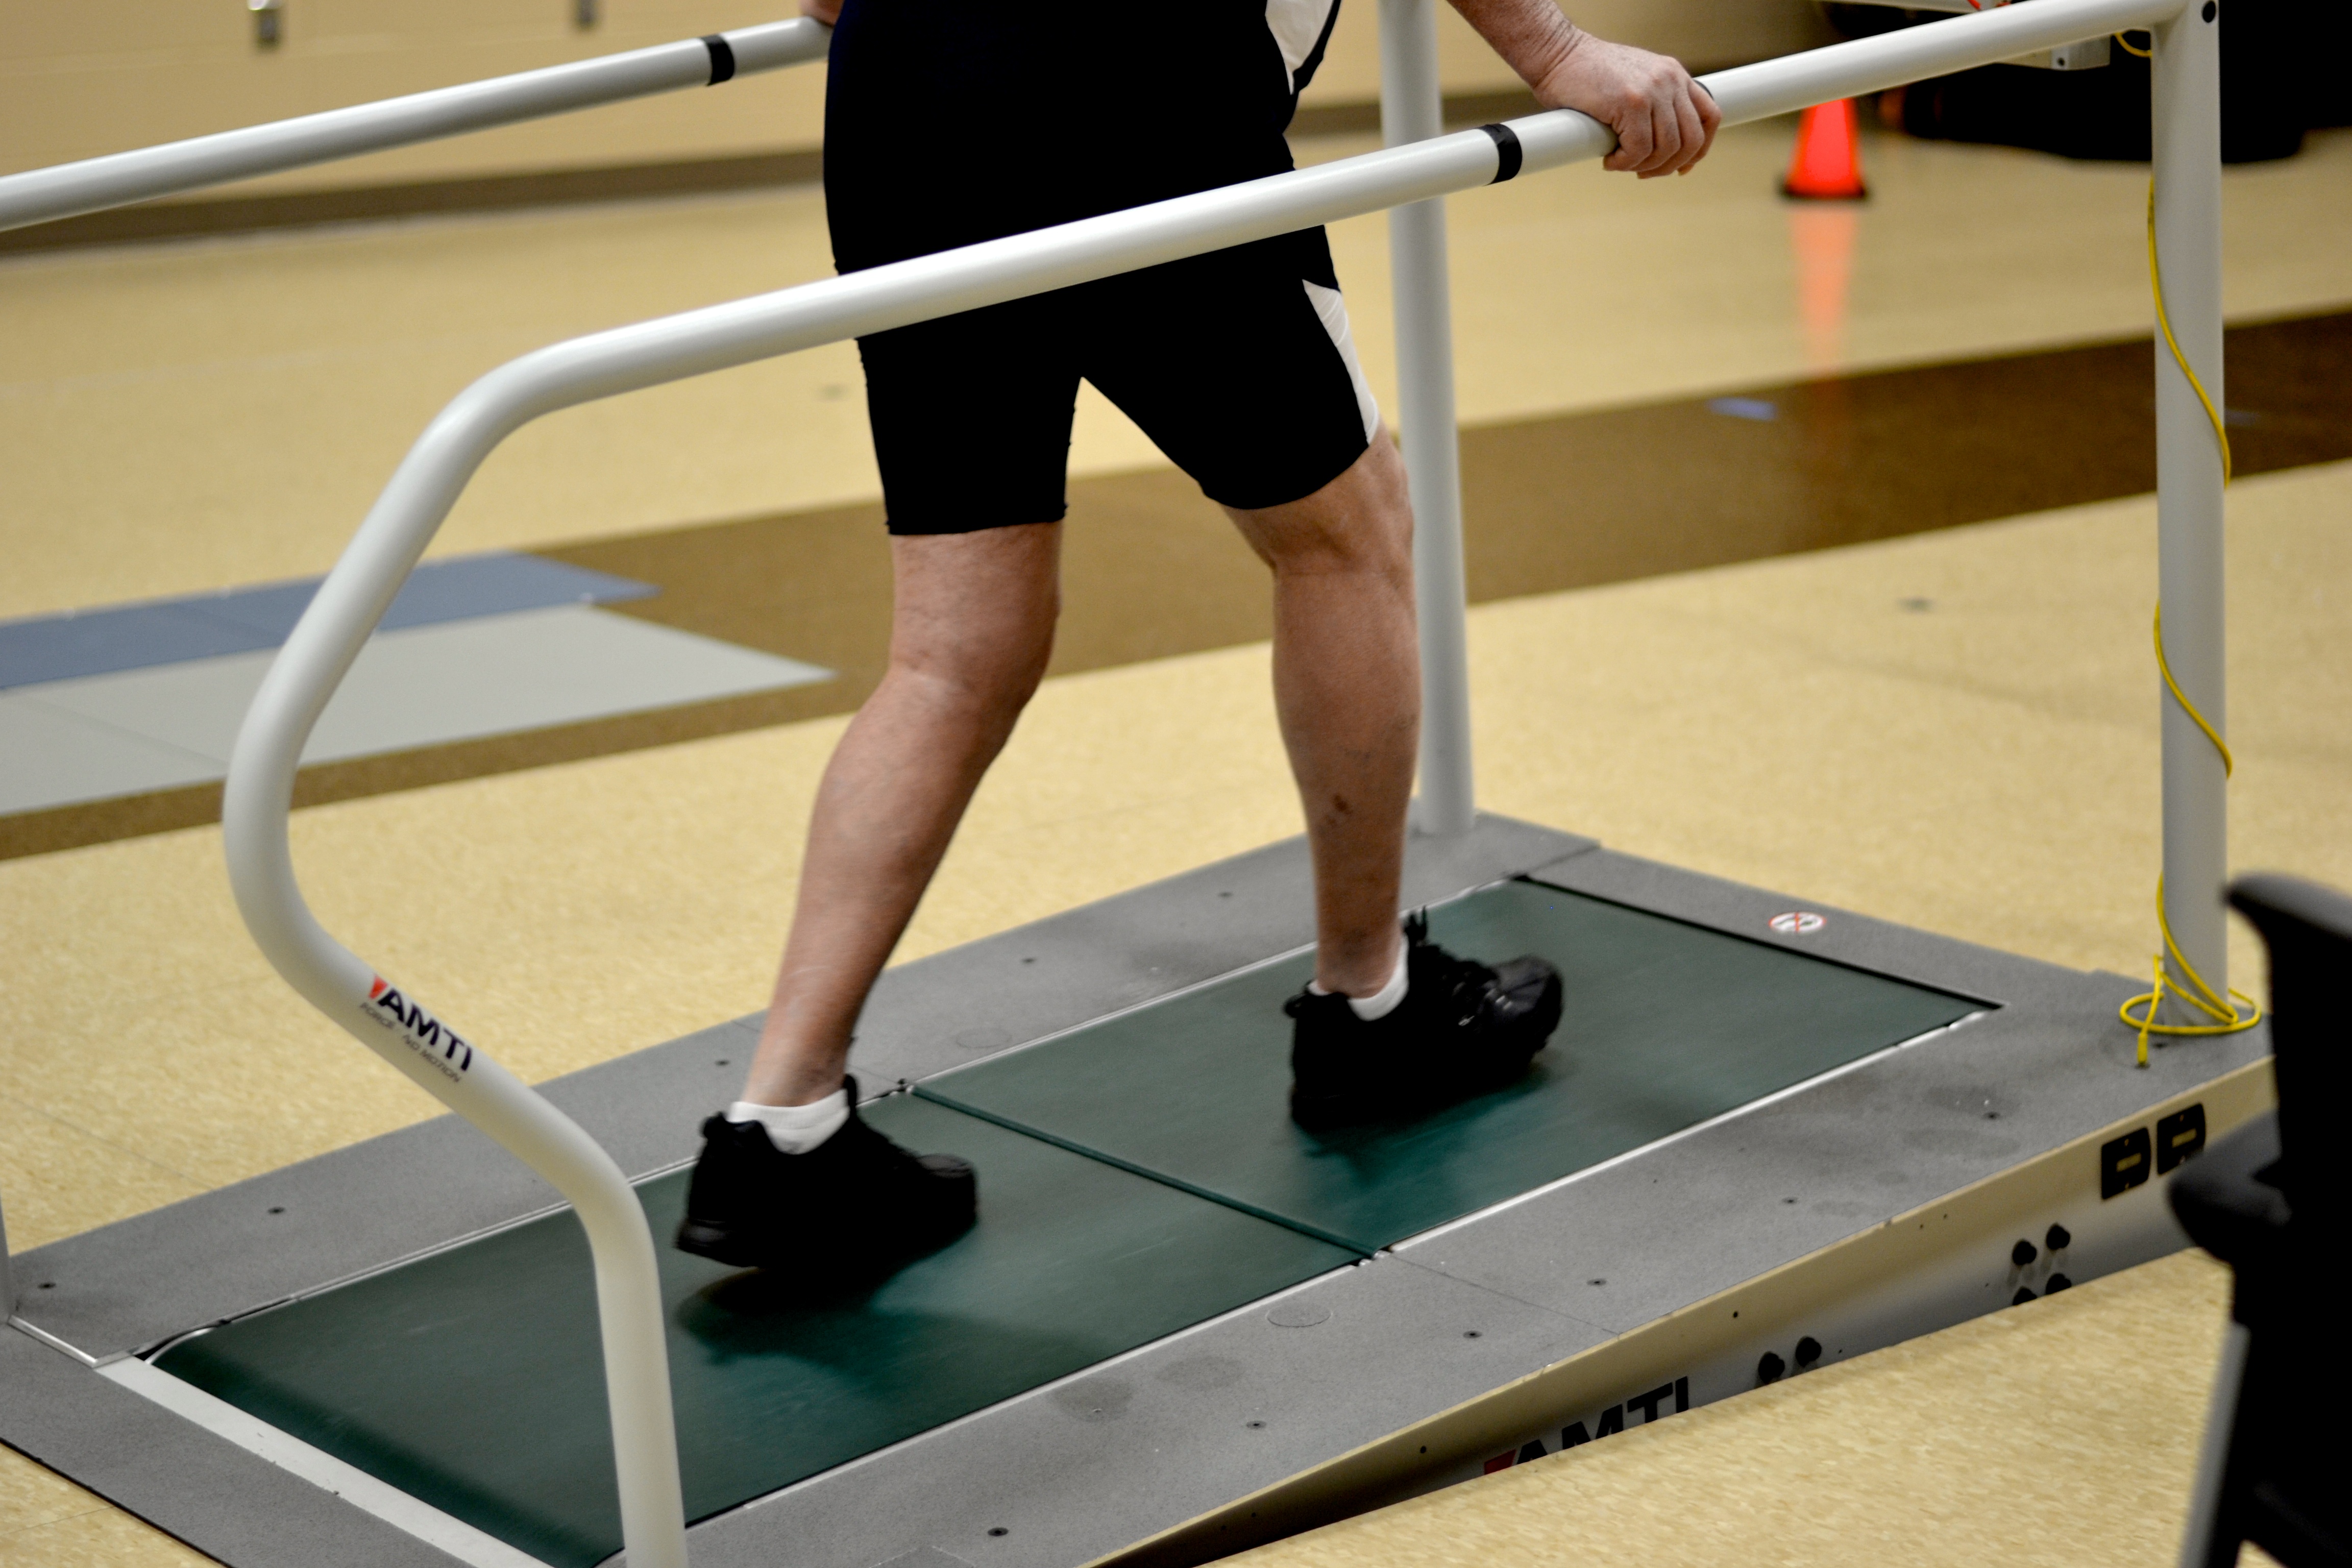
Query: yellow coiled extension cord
{"x": 2226, "y": 1018}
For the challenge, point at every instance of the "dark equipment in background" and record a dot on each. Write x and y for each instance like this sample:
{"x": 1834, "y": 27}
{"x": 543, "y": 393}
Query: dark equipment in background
{"x": 2271, "y": 1201}
{"x": 2283, "y": 74}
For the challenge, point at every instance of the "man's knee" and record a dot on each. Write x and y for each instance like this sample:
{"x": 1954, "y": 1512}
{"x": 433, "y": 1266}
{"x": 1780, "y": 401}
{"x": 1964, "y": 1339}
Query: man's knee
{"x": 993, "y": 663}
{"x": 1361, "y": 521}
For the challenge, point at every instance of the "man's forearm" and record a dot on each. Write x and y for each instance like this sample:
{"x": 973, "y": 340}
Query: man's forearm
{"x": 1532, "y": 35}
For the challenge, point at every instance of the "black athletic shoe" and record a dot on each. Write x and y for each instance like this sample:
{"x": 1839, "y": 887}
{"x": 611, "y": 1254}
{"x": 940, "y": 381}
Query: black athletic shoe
{"x": 853, "y": 1203}
{"x": 1463, "y": 1029}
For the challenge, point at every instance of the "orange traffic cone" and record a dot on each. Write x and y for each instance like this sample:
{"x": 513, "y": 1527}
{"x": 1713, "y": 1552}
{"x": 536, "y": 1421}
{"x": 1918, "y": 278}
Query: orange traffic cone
{"x": 1828, "y": 165}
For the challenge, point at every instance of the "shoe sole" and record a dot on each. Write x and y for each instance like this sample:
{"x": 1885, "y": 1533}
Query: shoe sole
{"x": 716, "y": 1242}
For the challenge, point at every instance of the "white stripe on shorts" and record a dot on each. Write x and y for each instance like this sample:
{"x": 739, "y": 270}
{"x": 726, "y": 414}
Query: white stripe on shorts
{"x": 1333, "y": 311}
{"x": 1298, "y": 26}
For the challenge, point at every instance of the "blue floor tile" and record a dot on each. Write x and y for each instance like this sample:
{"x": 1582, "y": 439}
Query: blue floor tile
{"x": 247, "y": 620}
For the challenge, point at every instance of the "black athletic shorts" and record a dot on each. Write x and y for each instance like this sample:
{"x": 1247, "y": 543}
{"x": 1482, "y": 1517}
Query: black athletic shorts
{"x": 1238, "y": 364}
{"x": 949, "y": 123}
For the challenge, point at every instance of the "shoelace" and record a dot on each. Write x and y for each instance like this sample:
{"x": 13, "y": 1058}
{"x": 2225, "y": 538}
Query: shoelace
{"x": 1464, "y": 984}
{"x": 1467, "y": 985}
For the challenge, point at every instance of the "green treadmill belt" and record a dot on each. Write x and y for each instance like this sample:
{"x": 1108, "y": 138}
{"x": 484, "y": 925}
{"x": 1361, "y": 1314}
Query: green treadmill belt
{"x": 471, "y": 1378}
{"x": 1667, "y": 1025}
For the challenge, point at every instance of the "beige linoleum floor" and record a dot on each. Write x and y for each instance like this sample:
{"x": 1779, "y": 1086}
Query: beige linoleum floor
{"x": 46, "y": 1522}
{"x": 1984, "y": 767}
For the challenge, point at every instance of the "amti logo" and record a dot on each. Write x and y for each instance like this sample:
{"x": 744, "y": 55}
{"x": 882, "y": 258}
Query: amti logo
{"x": 1607, "y": 1424}
{"x": 427, "y": 1035}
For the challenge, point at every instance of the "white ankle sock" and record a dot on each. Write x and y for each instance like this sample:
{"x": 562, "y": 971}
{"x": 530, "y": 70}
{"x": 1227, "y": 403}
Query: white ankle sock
{"x": 1380, "y": 1003}
{"x": 796, "y": 1129}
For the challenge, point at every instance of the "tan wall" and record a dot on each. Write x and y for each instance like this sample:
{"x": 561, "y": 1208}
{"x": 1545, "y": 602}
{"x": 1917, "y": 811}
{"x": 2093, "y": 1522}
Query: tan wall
{"x": 81, "y": 79}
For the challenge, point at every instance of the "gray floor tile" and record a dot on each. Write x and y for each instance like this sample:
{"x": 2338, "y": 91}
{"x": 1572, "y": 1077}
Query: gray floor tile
{"x": 424, "y": 686}
{"x": 497, "y": 674}
{"x": 98, "y": 640}
{"x": 453, "y": 590}
{"x": 48, "y": 757}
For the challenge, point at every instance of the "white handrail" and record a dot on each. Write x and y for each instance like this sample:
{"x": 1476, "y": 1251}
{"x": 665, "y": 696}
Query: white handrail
{"x": 339, "y": 618}
{"x": 93, "y": 184}
{"x": 1412, "y": 108}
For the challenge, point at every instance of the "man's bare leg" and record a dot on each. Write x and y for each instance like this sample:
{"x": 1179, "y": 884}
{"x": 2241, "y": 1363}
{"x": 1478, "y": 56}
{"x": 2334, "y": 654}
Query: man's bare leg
{"x": 971, "y": 634}
{"x": 971, "y": 628}
{"x": 1347, "y": 687}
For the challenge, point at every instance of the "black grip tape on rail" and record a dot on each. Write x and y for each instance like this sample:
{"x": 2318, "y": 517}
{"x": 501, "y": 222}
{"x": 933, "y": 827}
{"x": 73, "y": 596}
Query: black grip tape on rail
{"x": 722, "y": 57}
{"x": 1506, "y": 151}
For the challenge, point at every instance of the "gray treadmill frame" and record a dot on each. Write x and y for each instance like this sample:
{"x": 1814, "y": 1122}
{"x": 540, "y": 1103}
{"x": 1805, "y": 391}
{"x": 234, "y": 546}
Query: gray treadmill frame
{"x": 1070, "y": 1488}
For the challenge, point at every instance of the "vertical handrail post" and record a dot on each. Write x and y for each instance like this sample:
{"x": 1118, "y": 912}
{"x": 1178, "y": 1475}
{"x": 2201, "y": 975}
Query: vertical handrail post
{"x": 2186, "y": 109}
{"x": 1411, "y": 109}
